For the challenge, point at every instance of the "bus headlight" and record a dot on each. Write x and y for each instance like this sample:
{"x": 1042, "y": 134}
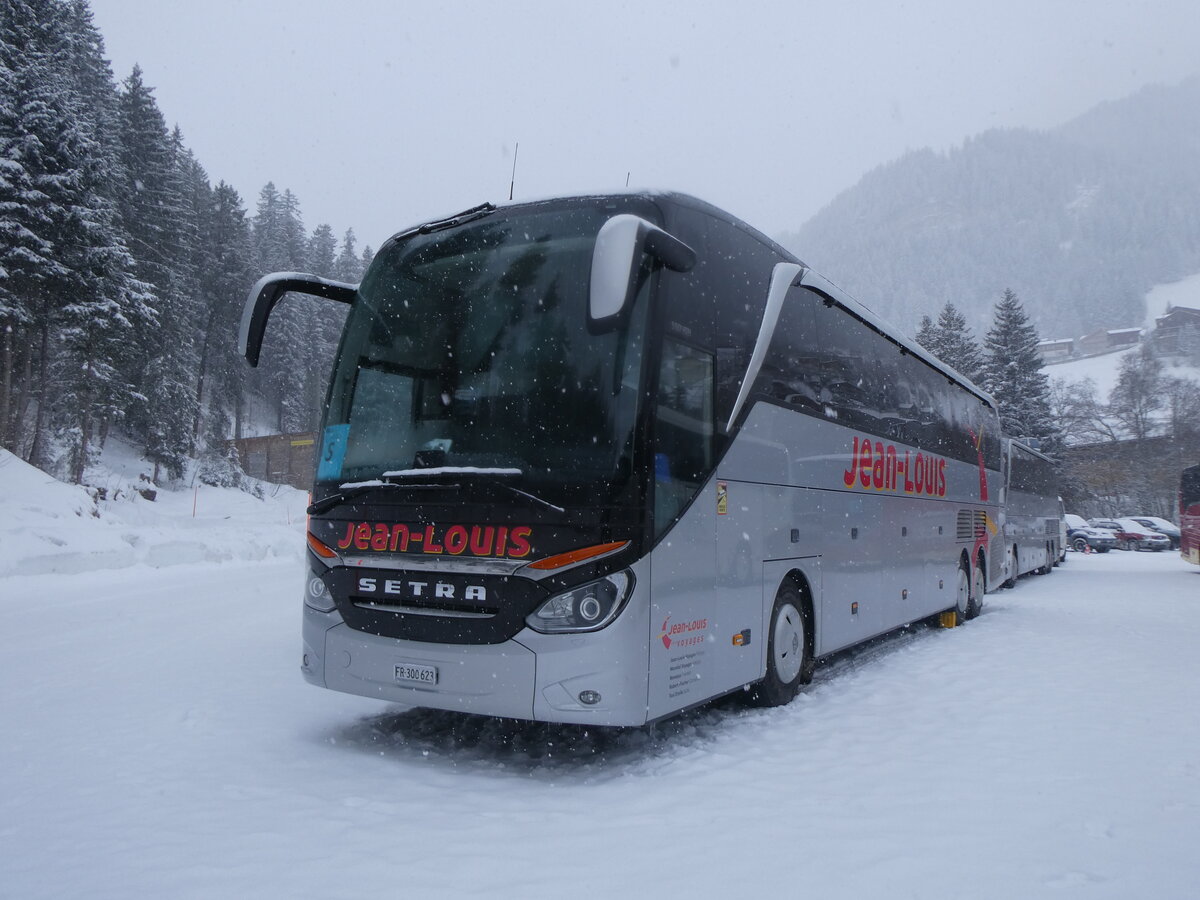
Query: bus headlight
{"x": 588, "y": 607}
{"x": 317, "y": 595}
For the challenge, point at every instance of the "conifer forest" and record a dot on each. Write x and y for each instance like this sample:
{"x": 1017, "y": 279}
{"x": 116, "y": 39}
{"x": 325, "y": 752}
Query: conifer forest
{"x": 124, "y": 267}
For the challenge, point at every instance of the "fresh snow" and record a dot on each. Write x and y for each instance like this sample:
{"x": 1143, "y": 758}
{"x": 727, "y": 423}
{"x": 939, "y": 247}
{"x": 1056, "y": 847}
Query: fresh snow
{"x": 51, "y": 527}
{"x": 160, "y": 742}
{"x": 1106, "y": 369}
{"x": 1103, "y": 370}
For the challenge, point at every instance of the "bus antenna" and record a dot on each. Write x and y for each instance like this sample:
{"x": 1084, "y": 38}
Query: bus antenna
{"x": 513, "y": 182}
{"x": 627, "y": 179}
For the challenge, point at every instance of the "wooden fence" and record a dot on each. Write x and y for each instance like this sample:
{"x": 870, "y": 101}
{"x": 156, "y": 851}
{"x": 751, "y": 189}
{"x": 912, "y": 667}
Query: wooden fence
{"x": 279, "y": 458}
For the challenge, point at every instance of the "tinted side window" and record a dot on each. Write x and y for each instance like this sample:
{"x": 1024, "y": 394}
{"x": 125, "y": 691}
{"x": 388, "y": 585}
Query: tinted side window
{"x": 683, "y": 429}
{"x": 826, "y": 363}
{"x": 1031, "y": 474}
{"x": 719, "y": 304}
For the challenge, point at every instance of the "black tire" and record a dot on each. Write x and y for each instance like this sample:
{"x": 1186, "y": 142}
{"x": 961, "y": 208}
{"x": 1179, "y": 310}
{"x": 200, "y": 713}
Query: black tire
{"x": 978, "y": 590}
{"x": 792, "y": 665}
{"x": 962, "y": 598}
{"x": 1080, "y": 545}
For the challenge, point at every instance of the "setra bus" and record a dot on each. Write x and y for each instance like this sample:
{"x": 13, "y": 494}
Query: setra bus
{"x": 1189, "y": 514}
{"x": 1033, "y": 514}
{"x": 600, "y": 459}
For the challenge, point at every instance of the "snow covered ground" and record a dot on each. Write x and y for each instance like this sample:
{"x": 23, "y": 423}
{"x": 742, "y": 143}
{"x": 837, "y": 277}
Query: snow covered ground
{"x": 158, "y": 740}
{"x": 1103, "y": 370}
{"x": 51, "y": 527}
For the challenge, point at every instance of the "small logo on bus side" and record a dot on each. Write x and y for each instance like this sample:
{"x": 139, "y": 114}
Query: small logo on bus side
{"x": 682, "y": 634}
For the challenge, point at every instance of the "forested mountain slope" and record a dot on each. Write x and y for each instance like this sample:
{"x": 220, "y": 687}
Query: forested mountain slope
{"x": 1079, "y": 221}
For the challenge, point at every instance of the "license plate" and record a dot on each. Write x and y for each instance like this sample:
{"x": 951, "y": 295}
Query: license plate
{"x": 419, "y": 674}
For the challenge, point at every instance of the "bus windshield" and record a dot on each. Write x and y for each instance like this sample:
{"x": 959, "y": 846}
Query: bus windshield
{"x": 468, "y": 351}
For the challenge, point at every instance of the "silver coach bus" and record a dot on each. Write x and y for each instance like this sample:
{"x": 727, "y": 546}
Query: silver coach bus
{"x": 600, "y": 459}
{"x": 1032, "y": 511}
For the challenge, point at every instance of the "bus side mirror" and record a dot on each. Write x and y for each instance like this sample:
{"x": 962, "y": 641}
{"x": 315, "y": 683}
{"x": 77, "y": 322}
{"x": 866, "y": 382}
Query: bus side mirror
{"x": 268, "y": 291}
{"x": 617, "y": 257}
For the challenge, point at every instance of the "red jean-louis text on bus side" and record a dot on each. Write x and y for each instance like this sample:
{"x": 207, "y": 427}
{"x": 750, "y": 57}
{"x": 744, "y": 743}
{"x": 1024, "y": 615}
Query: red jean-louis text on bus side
{"x": 880, "y": 467}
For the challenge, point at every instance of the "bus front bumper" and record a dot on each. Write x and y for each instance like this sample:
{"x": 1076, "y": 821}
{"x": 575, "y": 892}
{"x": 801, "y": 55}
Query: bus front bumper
{"x": 586, "y": 679}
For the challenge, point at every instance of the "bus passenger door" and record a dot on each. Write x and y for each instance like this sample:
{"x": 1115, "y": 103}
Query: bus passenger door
{"x": 695, "y": 644}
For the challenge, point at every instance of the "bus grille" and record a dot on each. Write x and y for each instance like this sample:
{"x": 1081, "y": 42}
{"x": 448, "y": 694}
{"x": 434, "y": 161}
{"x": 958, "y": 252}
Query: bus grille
{"x": 435, "y": 607}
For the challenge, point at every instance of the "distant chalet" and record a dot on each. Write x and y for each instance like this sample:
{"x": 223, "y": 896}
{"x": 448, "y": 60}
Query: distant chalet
{"x": 1176, "y": 333}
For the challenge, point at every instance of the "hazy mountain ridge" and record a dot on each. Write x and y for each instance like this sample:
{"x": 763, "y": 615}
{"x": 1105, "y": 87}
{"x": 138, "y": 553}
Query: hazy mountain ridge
{"x": 1080, "y": 221}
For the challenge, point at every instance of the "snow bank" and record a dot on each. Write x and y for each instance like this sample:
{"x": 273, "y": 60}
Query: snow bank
{"x": 50, "y": 527}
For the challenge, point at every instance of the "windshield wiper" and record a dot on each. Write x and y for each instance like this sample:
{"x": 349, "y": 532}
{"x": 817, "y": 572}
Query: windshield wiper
{"x": 350, "y": 491}
{"x": 536, "y": 499}
{"x": 467, "y": 215}
{"x": 401, "y": 480}
{"x": 494, "y": 473}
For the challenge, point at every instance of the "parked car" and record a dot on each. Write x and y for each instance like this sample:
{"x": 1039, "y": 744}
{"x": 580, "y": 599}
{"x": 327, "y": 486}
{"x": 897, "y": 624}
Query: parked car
{"x": 1081, "y": 536}
{"x": 1162, "y": 526}
{"x": 1131, "y": 535}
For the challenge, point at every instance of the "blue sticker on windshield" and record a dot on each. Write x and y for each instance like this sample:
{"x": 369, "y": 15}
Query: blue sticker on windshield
{"x": 333, "y": 452}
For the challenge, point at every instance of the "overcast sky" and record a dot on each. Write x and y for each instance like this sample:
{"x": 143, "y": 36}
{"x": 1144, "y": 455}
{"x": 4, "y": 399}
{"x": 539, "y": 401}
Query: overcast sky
{"x": 380, "y": 114}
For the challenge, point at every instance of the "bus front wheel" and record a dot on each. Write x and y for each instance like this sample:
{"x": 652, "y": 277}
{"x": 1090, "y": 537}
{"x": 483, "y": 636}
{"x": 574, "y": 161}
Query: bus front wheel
{"x": 789, "y": 661}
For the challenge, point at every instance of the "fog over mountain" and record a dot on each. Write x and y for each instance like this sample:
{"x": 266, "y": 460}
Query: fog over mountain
{"x": 1080, "y": 220}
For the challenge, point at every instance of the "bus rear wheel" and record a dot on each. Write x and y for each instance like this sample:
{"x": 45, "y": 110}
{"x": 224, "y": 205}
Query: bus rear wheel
{"x": 789, "y": 661}
{"x": 962, "y": 606}
{"x": 978, "y": 589}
